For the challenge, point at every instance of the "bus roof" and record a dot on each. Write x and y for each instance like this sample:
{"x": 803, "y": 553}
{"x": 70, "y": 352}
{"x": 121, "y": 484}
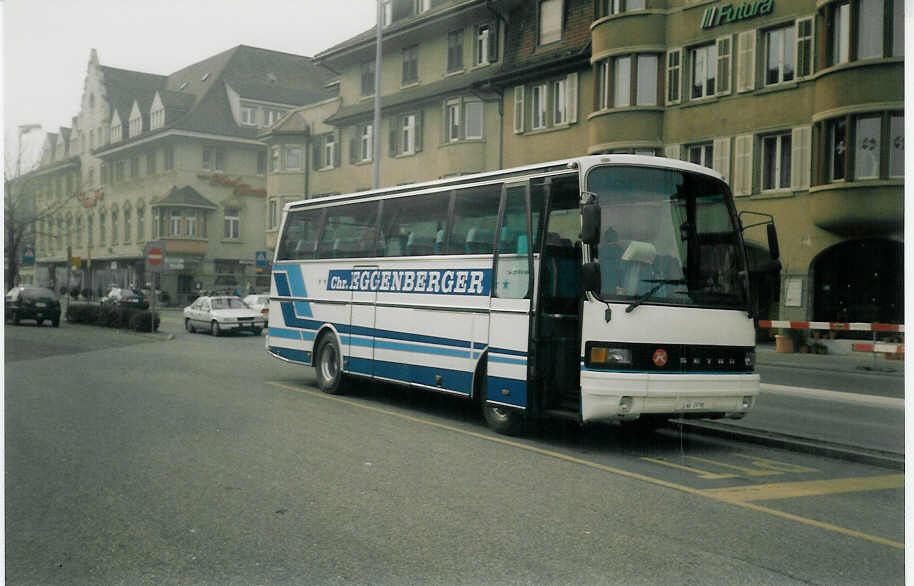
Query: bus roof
{"x": 570, "y": 165}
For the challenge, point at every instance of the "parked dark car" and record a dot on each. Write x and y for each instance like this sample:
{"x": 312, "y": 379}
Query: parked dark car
{"x": 127, "y": 298}
{"x": 37, "y": 303}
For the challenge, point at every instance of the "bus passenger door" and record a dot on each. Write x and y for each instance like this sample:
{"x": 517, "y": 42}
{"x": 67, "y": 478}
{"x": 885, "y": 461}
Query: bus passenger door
{"x": 510, "y": 303}
{"x": 361, "y": 344}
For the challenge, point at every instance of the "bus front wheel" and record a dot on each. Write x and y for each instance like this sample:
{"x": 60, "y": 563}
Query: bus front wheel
{"x": 328, "y": 366}
{"x": 502, "y": 419}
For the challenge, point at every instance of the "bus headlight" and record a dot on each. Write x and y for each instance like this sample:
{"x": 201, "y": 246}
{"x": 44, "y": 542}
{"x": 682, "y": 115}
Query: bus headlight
{"x": 610, "y": 356}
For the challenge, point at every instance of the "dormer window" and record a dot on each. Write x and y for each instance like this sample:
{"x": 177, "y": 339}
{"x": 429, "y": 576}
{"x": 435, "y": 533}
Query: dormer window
{"x": 115, "y": 132}
{"x": 248, "y": 115}
{"x": 156, "y": 119}
{"x": 136, "y": 126}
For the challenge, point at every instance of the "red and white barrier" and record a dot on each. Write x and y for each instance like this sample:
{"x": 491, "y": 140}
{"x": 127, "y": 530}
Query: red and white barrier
{"x": 831, "y": 325}
{"x": 878, "y": 347}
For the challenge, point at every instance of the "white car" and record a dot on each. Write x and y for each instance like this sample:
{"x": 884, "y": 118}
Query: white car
{"x": 222, "y": 314}
{"x": 259, "y": 302}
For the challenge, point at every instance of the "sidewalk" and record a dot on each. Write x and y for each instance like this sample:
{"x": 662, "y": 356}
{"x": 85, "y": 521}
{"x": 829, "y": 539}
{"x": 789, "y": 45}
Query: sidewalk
{"x": 860, "y": 362}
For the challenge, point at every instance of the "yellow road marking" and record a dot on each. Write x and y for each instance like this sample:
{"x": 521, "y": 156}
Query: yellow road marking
{"x": 598, "y": 466}
{"x": 786, "y": 490}
{"x": 706, "y": 474}
{"x": 741, "y": 469}
{"x": 775, "y": 465}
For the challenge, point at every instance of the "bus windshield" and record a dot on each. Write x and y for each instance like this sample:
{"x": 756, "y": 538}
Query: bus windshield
{"x": 669, "y": 237}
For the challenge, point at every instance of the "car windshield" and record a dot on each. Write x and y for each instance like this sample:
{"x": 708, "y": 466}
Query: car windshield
{"x": 668, "y": 237}
{"x": 38, "y": 293}
{"x": 228, "y": 303}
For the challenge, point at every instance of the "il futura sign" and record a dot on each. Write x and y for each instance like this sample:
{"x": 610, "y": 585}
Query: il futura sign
{"x": 728, "y": 13}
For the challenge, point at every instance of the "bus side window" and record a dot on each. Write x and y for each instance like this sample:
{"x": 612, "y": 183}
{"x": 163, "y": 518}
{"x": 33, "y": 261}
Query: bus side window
{"x": 300, "y": 235}
{"x": 349, "y": 231}
{"x": 475, "y": 214}
{"x": 410, "y": 225}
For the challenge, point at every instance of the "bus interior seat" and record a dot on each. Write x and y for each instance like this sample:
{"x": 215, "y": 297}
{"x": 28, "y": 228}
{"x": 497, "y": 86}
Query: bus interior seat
{"x": 638, "y": 266}
{"x": 396, "y": 245}
{"x": 479, "y": 241}
{"x": 507, "y": 240}
{"x": 419, "y": 245}
{"x": 523, "y": 244}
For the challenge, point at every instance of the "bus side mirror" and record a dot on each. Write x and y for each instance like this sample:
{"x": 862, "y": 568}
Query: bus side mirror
{"x": 590, "y": 277}
{"x": 590, "y": 223}
{"x": 773, "y": 246}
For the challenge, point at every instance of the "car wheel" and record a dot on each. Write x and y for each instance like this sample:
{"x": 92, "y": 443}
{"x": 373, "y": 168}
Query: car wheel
{"x": 215, "y": 329}
{"x": 329, "y": 366}
{"x": 188, "y": 326}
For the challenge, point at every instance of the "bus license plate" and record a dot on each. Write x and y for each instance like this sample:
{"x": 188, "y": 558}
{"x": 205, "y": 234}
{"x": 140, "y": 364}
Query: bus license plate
{"x": 693, "y": 405}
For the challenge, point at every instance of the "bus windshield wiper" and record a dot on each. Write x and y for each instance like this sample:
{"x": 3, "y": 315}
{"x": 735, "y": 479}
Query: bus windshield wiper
{"x": 654, "y": 289}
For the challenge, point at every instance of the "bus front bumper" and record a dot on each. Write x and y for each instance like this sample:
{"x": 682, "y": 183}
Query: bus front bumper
{"x": 627, "y": 396}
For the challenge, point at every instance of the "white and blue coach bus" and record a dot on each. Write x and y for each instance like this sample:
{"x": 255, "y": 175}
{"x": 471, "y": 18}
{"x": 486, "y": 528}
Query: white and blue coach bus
{"x": 598, "y": 288}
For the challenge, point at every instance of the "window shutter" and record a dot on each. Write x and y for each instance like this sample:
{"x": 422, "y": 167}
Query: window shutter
{"x": 722, "y": 157}
{"x": 493, "y": 42}
{"x": 742, "y": 168}
{"x": 392, "y": 135}
{"x": 800, "y": 158}
{"x": 745, "y": 78}
{"x": 518, "y": 109}
{"x": 724, "y": 65}
{"x": 672, "y": 151}
{"x": 571, "y": 97}
{"x": 354, "y": 145}
{"x": 674, "y": 76}
{"x": 420, "y": 126}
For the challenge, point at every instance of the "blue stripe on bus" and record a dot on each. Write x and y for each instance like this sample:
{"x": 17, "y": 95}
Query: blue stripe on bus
{"x": 282, "y": 284}
{"x": 507, "y": 351}
{"x": 293, "y": 355}
{"x": 493, "y": 358}
{"x": 284, "y": 333}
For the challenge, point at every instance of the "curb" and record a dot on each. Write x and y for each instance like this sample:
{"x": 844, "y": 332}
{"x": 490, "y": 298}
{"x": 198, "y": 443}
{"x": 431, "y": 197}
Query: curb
{"x": 794, "y": 443}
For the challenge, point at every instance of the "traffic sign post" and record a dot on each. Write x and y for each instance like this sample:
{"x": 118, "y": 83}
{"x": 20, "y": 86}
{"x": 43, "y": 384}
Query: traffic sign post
{"x": 154, "y": 253}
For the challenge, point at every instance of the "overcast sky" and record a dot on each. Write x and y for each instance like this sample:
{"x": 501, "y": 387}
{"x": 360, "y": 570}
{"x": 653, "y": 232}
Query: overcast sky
{"x": 46, "y": 44}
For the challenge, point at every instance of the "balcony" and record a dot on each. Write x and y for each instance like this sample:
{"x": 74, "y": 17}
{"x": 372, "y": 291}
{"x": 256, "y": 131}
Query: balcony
{"x": 865, "y": 208}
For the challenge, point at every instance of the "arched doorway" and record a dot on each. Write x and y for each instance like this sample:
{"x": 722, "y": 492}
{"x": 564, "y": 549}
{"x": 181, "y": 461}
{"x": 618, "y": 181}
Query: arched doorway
{"x": 860, "y": 281}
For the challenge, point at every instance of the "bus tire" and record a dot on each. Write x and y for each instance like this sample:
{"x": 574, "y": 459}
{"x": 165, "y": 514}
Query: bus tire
{"x": 503, "y": 420}
{"x": 328, "y": 365}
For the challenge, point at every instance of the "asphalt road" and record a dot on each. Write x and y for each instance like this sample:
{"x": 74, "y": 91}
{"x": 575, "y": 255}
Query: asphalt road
{"x": 200, "y": 460}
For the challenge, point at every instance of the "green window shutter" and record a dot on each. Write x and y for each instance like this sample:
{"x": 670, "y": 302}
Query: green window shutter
{"x": 392, "y": 135}
{"x": 419, "y": 128}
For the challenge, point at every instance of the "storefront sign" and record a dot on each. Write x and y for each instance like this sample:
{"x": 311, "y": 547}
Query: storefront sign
{"x": 728, "y": 13}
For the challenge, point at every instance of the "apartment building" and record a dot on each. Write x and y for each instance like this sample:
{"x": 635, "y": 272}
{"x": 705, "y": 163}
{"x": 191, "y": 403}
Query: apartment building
{"x": 174, "y": 158}
{"x": 799, "y": 105}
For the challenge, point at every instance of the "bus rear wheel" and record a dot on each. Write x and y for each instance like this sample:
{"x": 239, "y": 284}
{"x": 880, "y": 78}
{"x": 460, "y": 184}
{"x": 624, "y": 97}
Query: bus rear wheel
{"x": 503, "y": 420}
{"x": 328, "y": 366}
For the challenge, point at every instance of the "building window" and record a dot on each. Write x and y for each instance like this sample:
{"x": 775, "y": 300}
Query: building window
{"x": 271, "y": 214}
{"x": 704, "y": 70}
{"x": 453, "y": 120}
{"x": 261, "y": 162}
{"x": 329, "y": 149}
{"x": 779, "y": 54}
{"x": 560, "y": 102}
{"x": 776, "y": 157}
{"x": 387, "y": 12}
{"x": 550, "y": 21}
{"x": 701, "y": 154}
{"x": 174, "y": 223}
{"x": 519, "y": 107}
{"x": 804, "y": 47}
{"x": 190, "y": 224}
{"x": 136, "y": 126}
{"x": 272, "y": 116}
{"x": 610, "y": 7}
{"x": 89, "y": 233}
{"x": 538, "y": 107}
{"x": 408, "y": 134}
{"x": 232, "y": 224}
{"x": 127, "y": 227}
{"x": 838, "y": 19}
{"x": 218, "y": 160}
{"x": 151, "y": 163}
{"x": 368, "y": 78}
{"x": 207, "y": 163}
{"x": 486, "y": 44}
{"x": 410, "y": 57}
{"x": 140, "y": 224}
{"x": 724, "y": 51}
{"x": 622, "y": 76}
{"x": 156, "y": 119}
{"x": 673, "y": 75}
{"x": 275, "y": 151}
{"x": 293, "y": 158}
{"x": 836, "y": 141}
{"x": 646, "y": 90}
{"x": 896, "y": 146}
{"x": 602, "y": 81}
{"x": 102, "y": 227}
{"x": 134, "y": 167}
{"x": 248, "y": 116}
{"x": 169, "y": 162}
{"x": 119, "y": 170}
{"x": 156, "y": 214}
{"x": 898, "y": 28}
{"x": 867, "y": 137}
{"x": 455, "y": 51}
{"x": 870, "y": 28}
